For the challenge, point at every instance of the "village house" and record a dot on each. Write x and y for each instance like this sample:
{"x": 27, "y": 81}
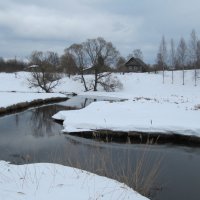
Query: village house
{"x": 136, "y": 65}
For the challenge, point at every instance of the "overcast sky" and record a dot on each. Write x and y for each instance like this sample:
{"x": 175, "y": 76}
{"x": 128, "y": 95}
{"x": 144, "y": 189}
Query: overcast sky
{"x": 27, "y": 25}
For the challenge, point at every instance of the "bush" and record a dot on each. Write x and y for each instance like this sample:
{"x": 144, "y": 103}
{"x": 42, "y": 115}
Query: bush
{"x": 111, "y": 83}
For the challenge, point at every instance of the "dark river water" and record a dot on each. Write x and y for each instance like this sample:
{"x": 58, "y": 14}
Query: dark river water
{"x": 165, "y": 172}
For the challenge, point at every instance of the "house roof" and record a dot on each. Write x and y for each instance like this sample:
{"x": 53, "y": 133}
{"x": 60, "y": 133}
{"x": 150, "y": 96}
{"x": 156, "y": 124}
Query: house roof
{"x": 135, "y": 62}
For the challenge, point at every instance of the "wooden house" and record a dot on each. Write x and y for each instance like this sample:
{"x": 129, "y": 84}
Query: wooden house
{"x": 136, "y": 65}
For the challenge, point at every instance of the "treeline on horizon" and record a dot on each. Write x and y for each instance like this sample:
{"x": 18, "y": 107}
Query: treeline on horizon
{"x": 183, "y": 55}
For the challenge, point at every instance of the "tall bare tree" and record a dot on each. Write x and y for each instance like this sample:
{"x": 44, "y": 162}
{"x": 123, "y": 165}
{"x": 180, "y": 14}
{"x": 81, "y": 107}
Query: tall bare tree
{"x": 172, "y": 58}
{"x": 137, "y": 53}
{"x": 68, "y": 64}
{"x": 79, "y": 56}
{"x": 121, "y": 64}
{"x": 182, "y": 56}
{"x": 198, "y": 54}
{"x": 162, "y": 56}
{"x": 193, "y": 53}
{"x": 101, "y": 54}
{"x": 43, "y": 74}
{"x": 95, "y": 56}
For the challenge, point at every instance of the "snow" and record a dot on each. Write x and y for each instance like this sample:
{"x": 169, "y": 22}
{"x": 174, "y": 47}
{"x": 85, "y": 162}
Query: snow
{"x": 18, "y": 82}
{"x": 11, "y": 98}
{"x": 14, "y": 89}
{"x": 150, "y": 107}
{"x": 144, "y": 116}
{"x": 52, "y": 181}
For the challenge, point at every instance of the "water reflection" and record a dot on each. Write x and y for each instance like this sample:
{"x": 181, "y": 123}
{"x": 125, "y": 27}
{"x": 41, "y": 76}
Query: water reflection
{"x": 40, "y": 120}
{"x": 83, "y": 101}
{"x": 17, "y": 119}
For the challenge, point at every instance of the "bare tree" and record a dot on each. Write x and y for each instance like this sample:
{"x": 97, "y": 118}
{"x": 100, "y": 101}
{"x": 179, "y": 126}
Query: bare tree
{"x": 43, "y": 74}
{"x": 182, "y": 56}
{"x": 110, "y": 83}
{"x": 121, "y": 64}
{"x": 198, "y": 54}
{"x": 193, "y": 53}
{"x": 94, "y": 56}
{"x": 172, "y": 58}
{"x": 101, "y": 54}
{"x": 198, "y": 58}
{"x": 78, "y": 54}
{"x": 162, "y": 56}
{"x": 68, "y": 64}
{"x": 137, "y": 53}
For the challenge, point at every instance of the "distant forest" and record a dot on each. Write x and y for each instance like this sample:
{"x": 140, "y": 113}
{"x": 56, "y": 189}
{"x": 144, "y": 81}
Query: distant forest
{"x": 12, "y": 65}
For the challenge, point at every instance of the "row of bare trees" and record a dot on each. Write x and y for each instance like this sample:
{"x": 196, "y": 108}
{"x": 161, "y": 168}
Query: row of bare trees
{"x": 94, "y": 56}
{"x": 186, "y": 55}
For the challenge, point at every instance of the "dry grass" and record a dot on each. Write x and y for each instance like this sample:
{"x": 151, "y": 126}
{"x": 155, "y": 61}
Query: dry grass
{"x": 139, "y": 171}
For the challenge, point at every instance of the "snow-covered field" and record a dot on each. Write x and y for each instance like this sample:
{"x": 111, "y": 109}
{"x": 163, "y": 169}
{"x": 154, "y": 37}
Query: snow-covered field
{"x": 14, "y": 89}
{"x": 151, "y": 106}
{"x": 11, "y": 98}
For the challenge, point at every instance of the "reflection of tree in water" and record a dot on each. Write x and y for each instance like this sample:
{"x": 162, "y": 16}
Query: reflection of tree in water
{"x": 86, "y": 102}
{"x": 17, "y": 120}
{"x": 41, "y": 120}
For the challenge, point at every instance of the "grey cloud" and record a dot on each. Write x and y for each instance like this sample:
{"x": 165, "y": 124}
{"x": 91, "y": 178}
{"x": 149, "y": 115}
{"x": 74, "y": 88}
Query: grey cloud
{"x": 129, "y": 24}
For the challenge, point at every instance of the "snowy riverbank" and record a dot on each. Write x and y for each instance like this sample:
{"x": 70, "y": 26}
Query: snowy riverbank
{"x": 151, "y": 106}
{"x": 52, "y": 181}
{"x": 141, "y": 115}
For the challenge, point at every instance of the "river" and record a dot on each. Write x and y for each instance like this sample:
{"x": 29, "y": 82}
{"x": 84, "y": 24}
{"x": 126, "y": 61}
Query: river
{"x": 163, "y": 171}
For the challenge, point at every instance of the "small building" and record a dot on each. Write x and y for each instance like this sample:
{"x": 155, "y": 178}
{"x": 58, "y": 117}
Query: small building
{"x": 136, "y": 65}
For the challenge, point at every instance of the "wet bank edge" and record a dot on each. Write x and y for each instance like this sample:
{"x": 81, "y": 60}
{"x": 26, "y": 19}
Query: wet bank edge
{"x": 25, "y": 105}
{"x": 110, "y": 135}
{"x": 137, "y": 137}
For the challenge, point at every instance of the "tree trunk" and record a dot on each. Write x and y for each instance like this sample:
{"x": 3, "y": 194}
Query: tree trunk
{"x": 95, "y": 82}
{"x": 163, "y": 74}
{"x": 195, "y": 76}
{"x": 84, "y": 82}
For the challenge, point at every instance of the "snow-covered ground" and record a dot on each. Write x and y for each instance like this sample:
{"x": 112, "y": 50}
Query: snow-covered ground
{"x": 11, "y": 98}
{"x": 14, "y": 89}
{"x": 143, "y": 116}
{"x": 52, "y": 181}
{"x": 151, "y": 106}
{"x": 18, "y": 82}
